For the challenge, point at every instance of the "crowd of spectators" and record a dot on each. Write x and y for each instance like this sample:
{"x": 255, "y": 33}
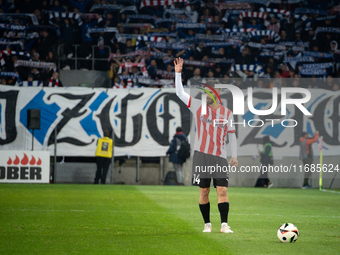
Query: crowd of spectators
{"x": 136, "y": 41}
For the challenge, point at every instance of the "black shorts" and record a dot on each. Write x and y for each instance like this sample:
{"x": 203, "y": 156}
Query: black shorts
{"x": 203, "y": 181}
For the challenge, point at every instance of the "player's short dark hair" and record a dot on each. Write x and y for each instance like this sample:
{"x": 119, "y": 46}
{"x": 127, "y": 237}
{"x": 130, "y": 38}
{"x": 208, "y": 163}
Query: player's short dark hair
{"x": 178, "y": 129}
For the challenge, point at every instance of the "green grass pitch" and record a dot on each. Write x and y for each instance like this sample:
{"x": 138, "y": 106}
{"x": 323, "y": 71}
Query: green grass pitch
{"x": 118, "y": 219}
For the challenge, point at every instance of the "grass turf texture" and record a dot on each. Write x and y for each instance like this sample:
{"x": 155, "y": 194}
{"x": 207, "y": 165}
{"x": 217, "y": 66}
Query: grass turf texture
{"x": 107, "y": 219}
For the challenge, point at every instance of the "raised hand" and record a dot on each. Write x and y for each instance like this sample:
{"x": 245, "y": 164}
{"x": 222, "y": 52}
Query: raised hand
{"x": 178, "y": 62}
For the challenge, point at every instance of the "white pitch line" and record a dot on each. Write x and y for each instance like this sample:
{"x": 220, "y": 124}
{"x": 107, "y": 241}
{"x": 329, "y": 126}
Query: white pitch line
{"x": 135, "y": 212}
{"x": 332, "y": 191}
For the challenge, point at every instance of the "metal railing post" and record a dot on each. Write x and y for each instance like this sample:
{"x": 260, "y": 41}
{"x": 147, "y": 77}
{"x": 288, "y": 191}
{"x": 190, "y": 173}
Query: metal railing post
{"x": 55, "y": 155}
{"x": 76, "y": 57}
{"x": 137, "y": 169}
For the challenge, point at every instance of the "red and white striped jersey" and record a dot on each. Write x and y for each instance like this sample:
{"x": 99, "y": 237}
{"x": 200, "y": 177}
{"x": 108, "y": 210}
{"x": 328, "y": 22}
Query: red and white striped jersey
{"x": 210, "y": 135}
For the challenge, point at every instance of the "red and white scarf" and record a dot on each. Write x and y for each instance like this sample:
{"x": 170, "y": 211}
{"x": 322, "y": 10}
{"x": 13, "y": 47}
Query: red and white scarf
{"x": 50, "y": 84}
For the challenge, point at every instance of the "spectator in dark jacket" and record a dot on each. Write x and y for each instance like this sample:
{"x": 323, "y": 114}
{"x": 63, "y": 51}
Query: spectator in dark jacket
{"x": 266, "y": 160}
{"x": 173, "y": 154}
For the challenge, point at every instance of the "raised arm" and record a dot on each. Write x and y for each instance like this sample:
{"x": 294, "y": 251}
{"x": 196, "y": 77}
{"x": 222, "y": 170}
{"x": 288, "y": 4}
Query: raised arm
{"x": 185, "y": 97}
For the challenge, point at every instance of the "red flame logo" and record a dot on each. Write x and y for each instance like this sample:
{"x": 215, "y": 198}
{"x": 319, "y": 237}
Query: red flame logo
{"x": 24, "y": 160}
{"x": 32, "y": 162}
{"x": 16, "y": 161}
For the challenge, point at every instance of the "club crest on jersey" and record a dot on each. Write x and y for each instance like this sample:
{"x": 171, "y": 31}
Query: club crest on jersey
{"x": 221, "y": 123}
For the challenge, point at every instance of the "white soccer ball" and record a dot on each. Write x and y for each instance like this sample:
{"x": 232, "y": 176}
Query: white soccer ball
{"x": 288, "y": 233}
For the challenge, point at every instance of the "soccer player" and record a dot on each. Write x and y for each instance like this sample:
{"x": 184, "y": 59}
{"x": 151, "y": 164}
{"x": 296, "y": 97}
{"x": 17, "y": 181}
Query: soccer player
{"x": 210, "y": 147}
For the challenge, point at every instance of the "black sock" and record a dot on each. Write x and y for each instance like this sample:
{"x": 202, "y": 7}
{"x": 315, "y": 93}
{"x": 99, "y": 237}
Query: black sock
{"x": 224, "y": 210}
{"x": 205, "y": 210}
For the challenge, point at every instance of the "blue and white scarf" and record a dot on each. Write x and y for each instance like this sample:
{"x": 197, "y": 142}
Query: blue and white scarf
{"x": 163, "y": 34}
{"x": 242, "y": 30}
{"x": 12, "y": 27}
{"x": 177, "y": 20}
{"x": 326, "y": 30}
{"x": 31, "y": 84}
{"x": 254, "y": 68}
{"x": 102, "y": 30}
{"x": 190, "y": 25}
{"x": 220, "y": 60}
{"x": 19, "y": 53}
{"x": 204, "y": 37}
{"x": 318, "y": 65}
{"x": 310, "y": 11}
{"x": 262, "y": 46}
{"x": 265, "y": 33}
{"x": 288, "y": 2}
{"x": 274, "y": 54}
{"x": 294, "y": 60}
{"x": 11, "y": 16}
{"x": 318, "y": 54}
{"x": 64, "y": 15}
{"x": 106, "y": 7}
{"x": 21, "y": 35}
{"x": 219, "y": 44}
{"x": 11, "y": 74}
{"x": 197, "y": 63}
{"x": 8, "y": 42}
{"x": 313, "y": 71}
{"x": 175, "y": 12}
{"x": 131, "y": 8}
{"x": 165, "y": 45}
{"x": 140, "y": 16}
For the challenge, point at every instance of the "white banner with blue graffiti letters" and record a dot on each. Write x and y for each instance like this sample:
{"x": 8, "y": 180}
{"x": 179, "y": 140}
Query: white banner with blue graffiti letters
{"x": 144, "y": 121}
